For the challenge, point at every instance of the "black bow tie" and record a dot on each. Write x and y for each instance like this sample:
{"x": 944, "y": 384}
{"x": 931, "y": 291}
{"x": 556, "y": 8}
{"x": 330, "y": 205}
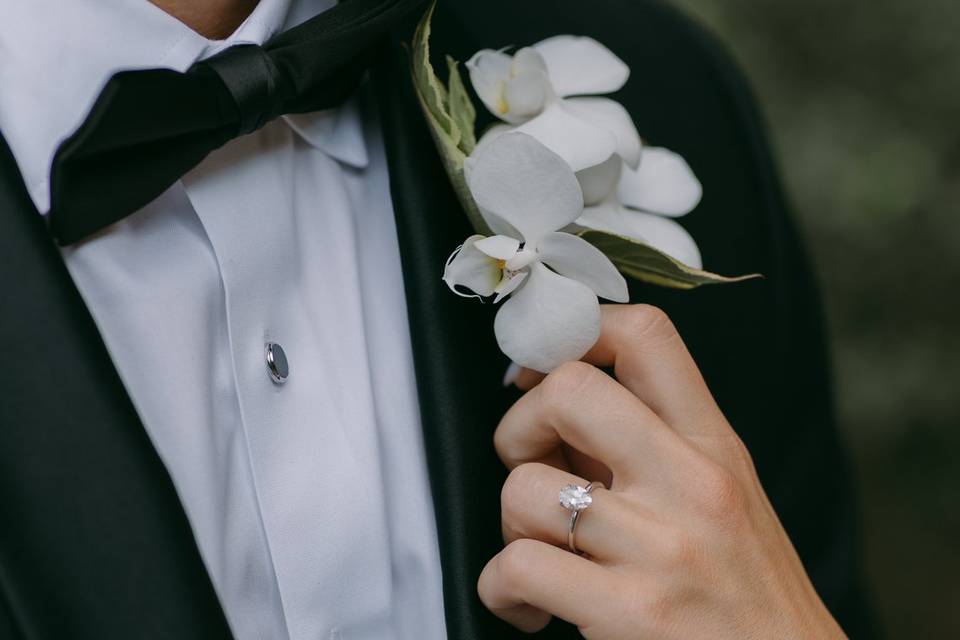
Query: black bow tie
{"x": 148, "y": 128}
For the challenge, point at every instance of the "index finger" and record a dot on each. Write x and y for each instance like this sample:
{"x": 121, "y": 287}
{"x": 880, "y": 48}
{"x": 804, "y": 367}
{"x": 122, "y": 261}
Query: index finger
{"x": 649, "y": 358}
{"x": 588, "y": 410}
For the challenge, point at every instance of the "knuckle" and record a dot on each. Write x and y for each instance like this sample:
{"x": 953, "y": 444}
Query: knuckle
{"x": 566, "y": 381}
{"x": 501, "y": 444}
{"x": 646, "y": 322}
{"x": 740, "y": 458}
{"x": 515, "y": 563}
{"x": 517, "y": 489}
{"x": 487, "y": 587}
{"x": 680, "y": 551}
{"x": 721, "y": 496}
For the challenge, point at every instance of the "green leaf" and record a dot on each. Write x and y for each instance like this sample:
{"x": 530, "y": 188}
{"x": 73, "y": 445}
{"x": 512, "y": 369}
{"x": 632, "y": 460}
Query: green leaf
{"x": 432, "y": 93}
{"x": 645, "y": 263}
{"x": 454, "y": 137}
{"x": 461, "y": 108}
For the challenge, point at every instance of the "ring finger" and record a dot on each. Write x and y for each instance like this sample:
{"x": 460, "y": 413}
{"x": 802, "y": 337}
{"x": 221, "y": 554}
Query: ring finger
{"x": 609, "y": 530}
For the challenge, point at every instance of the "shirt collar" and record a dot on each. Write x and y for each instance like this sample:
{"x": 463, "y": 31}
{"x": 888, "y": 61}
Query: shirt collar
{"x": 336, "y": 132}
{"x": 55, "y": 58}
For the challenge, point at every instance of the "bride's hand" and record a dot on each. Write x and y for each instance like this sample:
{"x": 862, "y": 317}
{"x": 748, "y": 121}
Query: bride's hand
{"x": 683, "y": 545}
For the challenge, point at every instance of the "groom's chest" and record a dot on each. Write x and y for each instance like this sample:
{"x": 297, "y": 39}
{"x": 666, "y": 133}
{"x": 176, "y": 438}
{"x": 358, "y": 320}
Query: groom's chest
{"x": 252, "y": 313}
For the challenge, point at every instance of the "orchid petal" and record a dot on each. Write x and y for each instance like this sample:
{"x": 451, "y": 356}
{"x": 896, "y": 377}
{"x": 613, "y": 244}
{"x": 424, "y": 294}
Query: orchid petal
{"x": 582, "y": 66}
{"x": 658, "y": 232}
{"x": 513, "y": 88}
{"x": 496, "y": 223}
{"x": 607, "y": 216}
{"x": 489, "y": 70}
{"x": 472, "y": 269}
{"x": 577, "y": 259}
{"x": 498, "y": 247}
{"x": 511, "y": 374}
{"x": 529, "y": 59}
{"x": 523, "y": 259}
{"x": 493, "y": 132}
{"x": 530, "y": 188}
{"x": 663, "y": 234}
{"x": 612, "y": 116}
{"x": 509, "y": 285}
{"x": 663, "y": 184}
{"x": 524, "y": 96}
{"x": 599, "y": 182}
{"x": 579, "y": 142}
{"x": 551, "y": 320}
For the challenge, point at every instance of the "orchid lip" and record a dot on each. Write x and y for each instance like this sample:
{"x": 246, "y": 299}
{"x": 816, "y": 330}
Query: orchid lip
{"x": 522, "y": 259}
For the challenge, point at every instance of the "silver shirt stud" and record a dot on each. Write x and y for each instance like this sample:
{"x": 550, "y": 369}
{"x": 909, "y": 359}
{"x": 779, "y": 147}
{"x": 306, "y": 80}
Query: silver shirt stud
{"x": 277, "y": 363}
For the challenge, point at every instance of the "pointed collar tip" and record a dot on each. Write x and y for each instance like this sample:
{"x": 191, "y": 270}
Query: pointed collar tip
{"x": 336, "y": 132}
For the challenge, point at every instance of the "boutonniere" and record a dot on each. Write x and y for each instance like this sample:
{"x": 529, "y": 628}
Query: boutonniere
{"x": 564, "y": 196}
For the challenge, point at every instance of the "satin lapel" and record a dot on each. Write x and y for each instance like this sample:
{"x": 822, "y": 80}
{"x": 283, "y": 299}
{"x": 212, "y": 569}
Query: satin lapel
{"x": 94, "y": 542}
{"x": 459, "y": 367}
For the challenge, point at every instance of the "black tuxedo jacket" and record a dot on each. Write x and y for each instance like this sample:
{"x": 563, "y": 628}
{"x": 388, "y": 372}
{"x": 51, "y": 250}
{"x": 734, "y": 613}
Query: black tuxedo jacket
{"x": 93, "y": 541}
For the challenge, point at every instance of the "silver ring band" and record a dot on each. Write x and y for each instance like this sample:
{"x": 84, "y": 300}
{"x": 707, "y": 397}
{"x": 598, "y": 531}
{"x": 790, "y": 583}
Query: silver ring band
{"x": 585, "y": 500}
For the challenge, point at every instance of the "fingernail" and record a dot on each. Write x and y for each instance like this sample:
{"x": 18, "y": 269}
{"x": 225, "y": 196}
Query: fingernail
{"x": 511, "y": 375}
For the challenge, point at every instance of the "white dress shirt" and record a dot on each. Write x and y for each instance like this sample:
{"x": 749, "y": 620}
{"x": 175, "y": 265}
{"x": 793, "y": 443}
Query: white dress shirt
{"x": 309, "y": 500}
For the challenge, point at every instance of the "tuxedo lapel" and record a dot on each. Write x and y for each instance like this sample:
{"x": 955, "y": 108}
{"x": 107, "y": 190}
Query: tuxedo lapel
{"x": 101, "y": 547}
{"x": 458, "y": 363}
{"x": 459, "y": 367}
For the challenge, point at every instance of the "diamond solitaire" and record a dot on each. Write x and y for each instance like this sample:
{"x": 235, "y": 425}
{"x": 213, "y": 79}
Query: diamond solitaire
{"x": 575, "y": 498}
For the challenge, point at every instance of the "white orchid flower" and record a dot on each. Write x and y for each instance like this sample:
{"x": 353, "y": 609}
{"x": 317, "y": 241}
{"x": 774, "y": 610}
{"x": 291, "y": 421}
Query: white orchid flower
{"x": 527, "y": 194}
{"x": 542, "y": 91}
{"x": 628, "y": 190}
{"x": 638, "y": 203}
{"x": 641, "y": 203}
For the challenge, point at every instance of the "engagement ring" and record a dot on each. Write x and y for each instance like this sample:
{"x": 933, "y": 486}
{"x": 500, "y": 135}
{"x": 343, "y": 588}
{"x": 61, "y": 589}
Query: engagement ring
{"x": 575, "y": 499}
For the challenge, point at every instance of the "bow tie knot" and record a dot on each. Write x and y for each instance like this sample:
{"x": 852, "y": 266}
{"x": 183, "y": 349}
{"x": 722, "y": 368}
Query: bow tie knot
{"x": 148, "y": 128}
{"x": 253, "y": 81}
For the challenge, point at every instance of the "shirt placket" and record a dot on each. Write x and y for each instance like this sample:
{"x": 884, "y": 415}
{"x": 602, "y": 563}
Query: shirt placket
{"x": 307, "y": 434}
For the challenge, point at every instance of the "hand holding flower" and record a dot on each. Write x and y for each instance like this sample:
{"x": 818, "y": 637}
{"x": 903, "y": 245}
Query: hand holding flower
{"x": 684, "y": 544}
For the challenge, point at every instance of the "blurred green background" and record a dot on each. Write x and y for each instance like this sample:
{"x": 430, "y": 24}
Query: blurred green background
{"x": 862, "y": 99}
